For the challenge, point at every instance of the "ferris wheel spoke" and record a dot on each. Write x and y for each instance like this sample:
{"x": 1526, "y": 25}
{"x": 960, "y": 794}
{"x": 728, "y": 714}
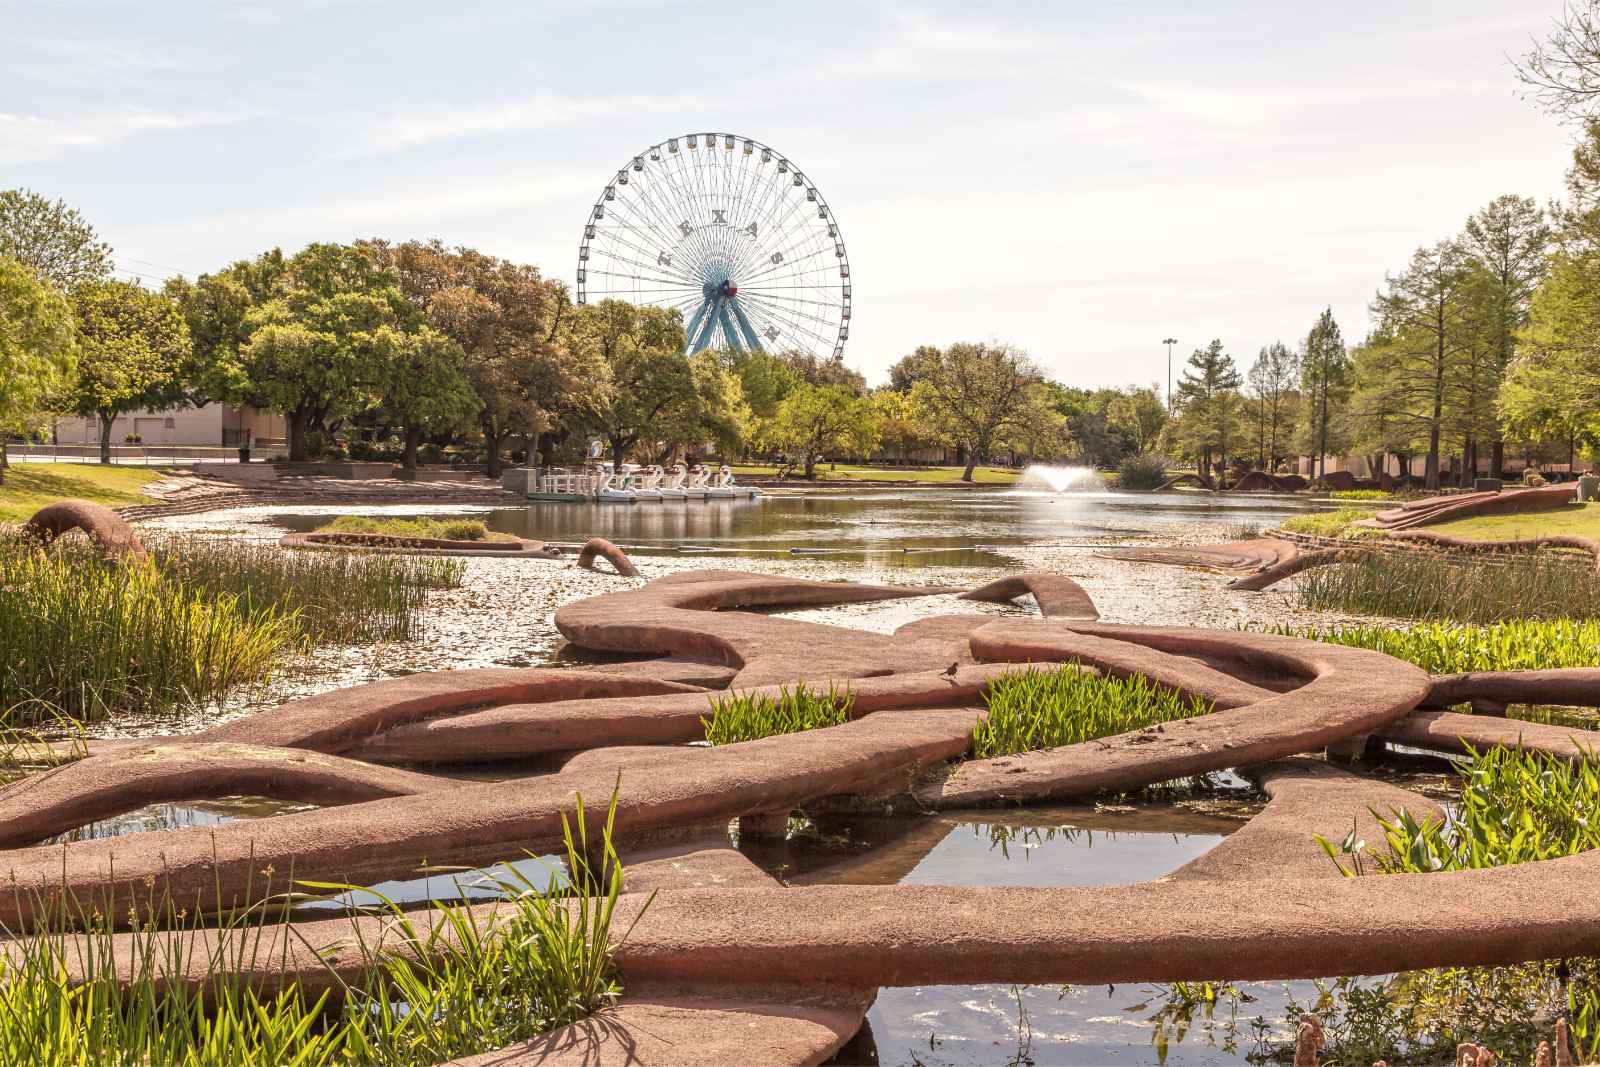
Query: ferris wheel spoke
{"x": 787, "y": 266}
{"x": 682, "y": 244}
{"x": 691, "y": 270}
{"x": 660, "y": 238}
{"x": 614, "y": 239}
{"x": 793, "y": 319}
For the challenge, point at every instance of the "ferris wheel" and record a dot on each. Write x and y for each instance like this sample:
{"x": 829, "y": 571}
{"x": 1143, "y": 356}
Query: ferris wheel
{"x": 730, "y": 233}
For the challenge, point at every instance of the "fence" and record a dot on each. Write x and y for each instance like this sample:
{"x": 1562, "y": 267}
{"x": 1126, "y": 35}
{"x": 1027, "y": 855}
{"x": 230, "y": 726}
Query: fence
{"x": 134, "y": 455}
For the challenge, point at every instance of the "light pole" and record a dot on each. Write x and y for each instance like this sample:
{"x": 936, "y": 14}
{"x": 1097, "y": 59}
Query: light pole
{"x": 1169, "y": 342}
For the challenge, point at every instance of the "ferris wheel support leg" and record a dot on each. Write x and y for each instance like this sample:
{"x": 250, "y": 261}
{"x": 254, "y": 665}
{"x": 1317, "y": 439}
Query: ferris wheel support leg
{"x": 744, "y": 325}
{"x": 727, "y": 325}
{"x": 694, "y": 341}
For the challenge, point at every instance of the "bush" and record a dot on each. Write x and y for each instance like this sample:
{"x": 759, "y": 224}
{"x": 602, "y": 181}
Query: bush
{"x": 446, "y": 529}
{"x": 1144, "y": 471}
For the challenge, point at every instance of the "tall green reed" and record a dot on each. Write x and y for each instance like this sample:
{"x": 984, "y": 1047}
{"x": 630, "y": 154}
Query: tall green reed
{"x": 1421, "y": 585}
{"x": 1453, "y": 648}
{"x": 1036, "y": 709}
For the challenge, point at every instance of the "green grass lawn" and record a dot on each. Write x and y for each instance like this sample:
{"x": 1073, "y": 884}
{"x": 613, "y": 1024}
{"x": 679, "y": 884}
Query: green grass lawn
{"x": 846, "y": 472}
{"x": 1580, "y": 519}
{"x": 30, "y": 486}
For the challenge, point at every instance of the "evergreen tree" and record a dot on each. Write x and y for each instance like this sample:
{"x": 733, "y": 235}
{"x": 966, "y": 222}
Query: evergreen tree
{"x": 1325, "y": 383}
{"x": 1208, "y": 399}
{"x": 1272, "y": 380}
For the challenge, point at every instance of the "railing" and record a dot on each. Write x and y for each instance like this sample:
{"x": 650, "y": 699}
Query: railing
{"x": 137, "y": 455}
{"x": 582, "y": 484}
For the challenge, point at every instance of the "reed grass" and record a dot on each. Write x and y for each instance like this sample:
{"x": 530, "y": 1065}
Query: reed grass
{"x": 1338, "y": 523}
{"x": 1417, "y": 585}
{"x": 464, "y": 983}
{"x": 1455, "y": 648}
{"x": 89, "y": 638}
{"x": 336, "y": 597}
{"x": 425, "y": 526}
{"x": 1035, "y": 709}
{"x": 751, "y": 716}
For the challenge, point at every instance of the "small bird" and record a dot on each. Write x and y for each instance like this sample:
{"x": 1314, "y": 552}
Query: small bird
{"x": 950, "y": 672}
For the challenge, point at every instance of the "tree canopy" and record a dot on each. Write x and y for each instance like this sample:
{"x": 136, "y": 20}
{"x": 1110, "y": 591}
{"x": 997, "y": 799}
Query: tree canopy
{"x": 969, "y": 394}
{"x": 131, "y": 344}
{"x": 52, "y": 240}
{"x": 38, "y": 348}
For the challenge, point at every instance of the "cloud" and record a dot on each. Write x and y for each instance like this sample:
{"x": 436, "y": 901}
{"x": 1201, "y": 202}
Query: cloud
{"x": 36, "y": 138}
{"x": 1226, "y": 107}
{"x": 541, "y": 111}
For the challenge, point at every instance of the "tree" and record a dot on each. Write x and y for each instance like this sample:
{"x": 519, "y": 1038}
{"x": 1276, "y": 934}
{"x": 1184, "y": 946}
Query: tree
{"x": 823, "y": 370}
{"x": 1138, "y": 414}
{"x": 1272, "y": 379}
{"x": 968, "y": 393}
{"x": 1423, "y": 310}
{"x": 508, "y": 321}
{"x": 817, "y": 419}
{"x": 131, "y": 343}
{"x": 1508, "y": 245}
{"x": 52, "y": 240}
{"x": 1553, "y": 388}
{"x": 895, "y": 415}
{"x": 1325, "y": 385}
{"x": 1208, "y": 403}
{"x": 654, "y": 391}
{"x": 1562, "y": 73}
{"x": 38, "y": 348}
{"x": 217, "y": 308}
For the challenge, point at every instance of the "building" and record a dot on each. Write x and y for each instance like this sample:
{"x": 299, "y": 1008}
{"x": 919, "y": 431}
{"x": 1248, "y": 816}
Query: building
{"x": 216, "y": 425}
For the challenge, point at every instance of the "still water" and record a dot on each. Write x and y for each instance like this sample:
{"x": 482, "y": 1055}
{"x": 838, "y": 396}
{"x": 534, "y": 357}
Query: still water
{"x": 968, "y": 528}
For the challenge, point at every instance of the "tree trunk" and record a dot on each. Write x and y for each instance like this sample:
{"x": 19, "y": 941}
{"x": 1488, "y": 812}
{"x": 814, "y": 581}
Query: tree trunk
{"x": 492, "y": 463}
{"x": 296, "y": 427}
{"x": 1430, "y": 471}
{"x": 619, "y": 448}
{"x": 5, "y": 460}
{"x": 408, "y": 458}
{"x": 105, "y": 437}
{"x": 972, "y": 460}
{"x": 811, "y": 464}
{"x": 1497, "y": 457}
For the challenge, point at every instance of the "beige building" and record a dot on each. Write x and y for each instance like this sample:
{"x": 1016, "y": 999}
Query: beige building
{"x": 216, "y": 425}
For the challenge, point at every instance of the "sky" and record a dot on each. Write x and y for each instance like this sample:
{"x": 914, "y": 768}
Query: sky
{"x": 1080, "y": 179}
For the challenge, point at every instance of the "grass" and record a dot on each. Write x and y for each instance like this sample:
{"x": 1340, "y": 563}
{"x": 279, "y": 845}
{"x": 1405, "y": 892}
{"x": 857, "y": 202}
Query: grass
{"x": 1456, "y": 648}
{"x": 1339, "y": 523}
{"x": 847, "y": 472}
{"x": 1515, "y": 807}
{"x": 444, "y": 529}
{"x": 90, "y": 639}
{"x": 1361, "y": 494}
{"x": 751, "y": 716}
{"x": 1581, "y": 520}
{"x": 1419, "y": 585}
{"x": 30, "y": 486}
{"x": 1036, "y": 709}
{"x": 461, "y": 986}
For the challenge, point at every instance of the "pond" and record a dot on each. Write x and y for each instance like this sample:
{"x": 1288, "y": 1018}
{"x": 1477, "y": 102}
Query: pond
{"x": 972, "y": 528}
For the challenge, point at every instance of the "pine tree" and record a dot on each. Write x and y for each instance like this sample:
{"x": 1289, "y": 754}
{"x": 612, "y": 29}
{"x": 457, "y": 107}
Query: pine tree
{"x": 1209, "y": 399}
{"x": 1325, "y": 384}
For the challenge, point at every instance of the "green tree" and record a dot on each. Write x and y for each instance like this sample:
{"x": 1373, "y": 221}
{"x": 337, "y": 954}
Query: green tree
{"x": 969, "y": 393}
{"x": 1209, "y": 407}
{"x": 655, "y": 393}
{"x": 52, "y": 240}
{"x": 38, "y": 349}
{"x": 1325, "y": 387}
{"x": 217, "y": 308}
{"x": 1553, "y": 388}
{"x": 1138, "y": 415}
{"x": 1424, "y": 309}
{"x": 1508, "y": 245}
{"x": 131, "y": 344}
{"x": 819, "y": 419}
{"x": 508, "y": 321}
{"x": 895, "y": 414}
{"x": 1272, "y": 379}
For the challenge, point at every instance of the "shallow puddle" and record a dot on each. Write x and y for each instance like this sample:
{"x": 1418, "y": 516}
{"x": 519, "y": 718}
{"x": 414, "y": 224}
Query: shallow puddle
{"x": 171, "y": 816}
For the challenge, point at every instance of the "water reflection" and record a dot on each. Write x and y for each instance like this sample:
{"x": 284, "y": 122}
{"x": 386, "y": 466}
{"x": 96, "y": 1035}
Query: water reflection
{"x": 913, "y": 527}
{"x": 172, "y": 816}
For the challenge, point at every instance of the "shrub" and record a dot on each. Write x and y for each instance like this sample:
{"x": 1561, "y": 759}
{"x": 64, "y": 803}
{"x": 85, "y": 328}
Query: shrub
{"x": 1339, "y": 523}
{"x": 441, "y": 528}
{"x": 1147, "y": 470}
{"x": 1036, "y": 709}
{"x": 1360, "y": 494}
{"x": 751, "y": 716}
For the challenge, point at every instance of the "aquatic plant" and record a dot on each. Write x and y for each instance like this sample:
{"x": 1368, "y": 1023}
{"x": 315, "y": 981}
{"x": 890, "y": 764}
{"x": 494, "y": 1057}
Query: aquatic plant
{"x": 448, "y": 529}
{"x": 749, "y": 716}
{"x": 1454, "y": 648}
{"x": 336, "y": 597}
{"x": 1338, "y": 523}
{"x": 462, "y": 984}
{"x": 1515, "y": 806}
{"x": 1418, "y": 585}
{"x": 1034, "y": 709}
{"x": 86, "y": 638}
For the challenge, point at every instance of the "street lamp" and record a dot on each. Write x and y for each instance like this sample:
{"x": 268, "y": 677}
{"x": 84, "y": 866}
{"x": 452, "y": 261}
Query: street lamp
{"x": 1169, "y": 342}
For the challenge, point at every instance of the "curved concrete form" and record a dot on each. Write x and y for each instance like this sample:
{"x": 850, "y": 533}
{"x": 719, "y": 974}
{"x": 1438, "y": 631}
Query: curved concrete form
{"x": 109, "y": 531}
{"x": 1288, "y": 568}
{"x": 723, "y": 960}
{"x": 1568, "y": 687}
{"x": 1233, "y": 557}
{"x": 599, "y": 547}
{"x": 1435, "y": 509}
{"x": 1447, "y": 731}
{"x": 1056, "y": 595}
{"x": 1262, "y": 482}
{"x": 1526, "y": 544}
